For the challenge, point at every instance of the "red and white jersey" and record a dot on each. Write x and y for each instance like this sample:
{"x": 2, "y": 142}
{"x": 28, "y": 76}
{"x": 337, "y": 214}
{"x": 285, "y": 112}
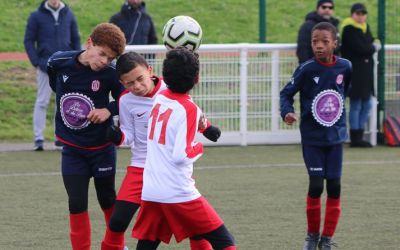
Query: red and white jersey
{"x": 171, "y": 149}
{"x": 134, "y": 113}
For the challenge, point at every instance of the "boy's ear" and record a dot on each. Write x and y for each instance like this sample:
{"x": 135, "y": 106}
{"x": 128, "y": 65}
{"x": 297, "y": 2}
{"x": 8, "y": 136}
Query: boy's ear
{"x": 335, "y": 43}
{"x": 89, "y": 43}
{"x": 150, "y": 69}
{"x": 197, "y": 79}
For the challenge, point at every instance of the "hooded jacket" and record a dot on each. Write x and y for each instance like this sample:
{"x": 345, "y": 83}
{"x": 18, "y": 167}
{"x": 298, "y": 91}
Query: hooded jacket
{"x": 136, "y": 24}
{"x": 304, "y": 51}
{"x": 44, "y": 35}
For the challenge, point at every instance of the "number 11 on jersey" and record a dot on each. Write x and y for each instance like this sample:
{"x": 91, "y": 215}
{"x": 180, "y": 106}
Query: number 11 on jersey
{"x": 157, "y": 117}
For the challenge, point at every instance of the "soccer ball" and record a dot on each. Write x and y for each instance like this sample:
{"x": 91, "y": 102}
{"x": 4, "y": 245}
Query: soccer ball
{"x": 182, "y": 31}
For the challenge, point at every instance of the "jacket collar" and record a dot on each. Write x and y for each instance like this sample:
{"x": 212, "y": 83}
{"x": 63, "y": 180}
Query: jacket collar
{"x": 313, "y": 16}
{"x": 350, "y": 22}
{"x": 126, "y": 8}
{"x": 43, "y": 8}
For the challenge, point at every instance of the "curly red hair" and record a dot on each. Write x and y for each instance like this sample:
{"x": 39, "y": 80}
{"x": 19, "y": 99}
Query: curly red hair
{"x": 109, "y": 35}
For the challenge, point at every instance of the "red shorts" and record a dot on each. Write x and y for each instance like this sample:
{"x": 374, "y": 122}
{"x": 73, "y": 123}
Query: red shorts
{"x": 158, "y": 221}
{"x": 131, "y": 186}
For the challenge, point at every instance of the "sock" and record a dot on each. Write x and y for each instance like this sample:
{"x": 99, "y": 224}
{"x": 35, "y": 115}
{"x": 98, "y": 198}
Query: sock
{"x": 201, "y": 244}
{"x": 113, "y": 240}
{"x": 332, "y": 214}
{"x": 80, "y": 231}
{"x": 313, "y": 210}
{"x": 107, "y": 214}
{"x": 230, "y": 248}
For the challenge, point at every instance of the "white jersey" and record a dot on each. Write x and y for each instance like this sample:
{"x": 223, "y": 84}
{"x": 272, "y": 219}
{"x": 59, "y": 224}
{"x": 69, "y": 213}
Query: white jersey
{"x": 134, "y": 113}
{"x": 171, "y": 149}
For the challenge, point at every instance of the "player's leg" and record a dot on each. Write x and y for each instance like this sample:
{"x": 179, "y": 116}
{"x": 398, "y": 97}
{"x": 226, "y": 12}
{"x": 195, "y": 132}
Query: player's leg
{"x": 199, "y": 243}
{"x": 76, "y": 177}
{"x": 151, "y": 226}
{"x": 147, "y": 244}
{"x": 220, "y": 239}
{"x": 43, "y": 95}
{"x": 105, "y": 191}
{"x": 102, "y": 164}
{"x": 333, "y": 187}
{"x": 314, "y": 158}
{"x": 313, "y": 211}
{"x": 197, "y": 218}
{"x": 114, "y": 238}
{"x": 126, "y": 205}
{"x": 77, "y": 189}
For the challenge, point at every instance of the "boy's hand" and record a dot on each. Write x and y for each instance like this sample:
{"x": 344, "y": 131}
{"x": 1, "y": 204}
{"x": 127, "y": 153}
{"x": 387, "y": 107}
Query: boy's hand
{"x": 290, "y": 118}
{"x": 114, "y": 134}
{"x": 98, "y": 115}
{"x": 202, "y": 122}
{"x": 212, "y": 133}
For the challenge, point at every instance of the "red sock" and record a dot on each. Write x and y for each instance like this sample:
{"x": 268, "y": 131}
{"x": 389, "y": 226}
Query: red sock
{"x": 230, "y": 248}
{"x": 80, "y": 231}
{"x": 202, "y": 244}
{"x": 113, "y": 240}
{"x": 107, "y": 214}
{"x": 313, "y": 211}
{"x": 332, "y": 214}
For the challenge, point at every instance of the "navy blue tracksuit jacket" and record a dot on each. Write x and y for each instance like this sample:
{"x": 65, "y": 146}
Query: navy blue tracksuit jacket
{"x": 79, "y": 90}
{"x": 322, "y": 90}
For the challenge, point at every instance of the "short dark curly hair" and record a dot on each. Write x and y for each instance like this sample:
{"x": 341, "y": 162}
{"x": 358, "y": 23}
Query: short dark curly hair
{"x": 181, "y": 69}
{"x": 326, "y": 26}
{"x": 109, "y": 35}
{"x": 129, "y": 61}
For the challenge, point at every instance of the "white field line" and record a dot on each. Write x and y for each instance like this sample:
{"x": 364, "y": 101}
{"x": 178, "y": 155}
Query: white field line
{"x": 356, "y": 163}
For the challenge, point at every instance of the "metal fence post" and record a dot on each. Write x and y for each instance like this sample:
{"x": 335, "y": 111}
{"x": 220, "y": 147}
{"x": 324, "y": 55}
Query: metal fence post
{"x": 373, "y": 120}
{"x": 275, "y": 90}
{"x": 262, "y": 17}
{"x": 243, "y": 95}
{"x": 381, "y": 69}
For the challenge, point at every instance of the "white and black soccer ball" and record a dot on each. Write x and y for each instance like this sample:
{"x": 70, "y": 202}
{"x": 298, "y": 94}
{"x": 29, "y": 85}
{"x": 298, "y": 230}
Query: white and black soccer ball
{"x": 182, "y": 31}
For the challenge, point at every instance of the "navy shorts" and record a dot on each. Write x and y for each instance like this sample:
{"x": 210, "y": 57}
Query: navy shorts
{"x": 96, "y": 163}
{"x": 324, "y": 161}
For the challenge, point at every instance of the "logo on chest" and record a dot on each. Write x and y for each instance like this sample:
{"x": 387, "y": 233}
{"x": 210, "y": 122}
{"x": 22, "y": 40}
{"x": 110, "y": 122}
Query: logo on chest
{"x": 327, "y": 107}
{"x": 95, "y": 85}
{"x": 65, "y": 78}
{"x": 339, "y": 79}
{"x": 74, "y": 108}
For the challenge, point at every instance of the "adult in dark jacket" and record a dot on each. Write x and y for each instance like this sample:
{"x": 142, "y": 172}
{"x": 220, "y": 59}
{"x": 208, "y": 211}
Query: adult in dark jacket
{"x": 136, "y": 24}
{"x": 358, "y": 47}
{"x": 51, "y": 28}
{"x": 323, "y": 13}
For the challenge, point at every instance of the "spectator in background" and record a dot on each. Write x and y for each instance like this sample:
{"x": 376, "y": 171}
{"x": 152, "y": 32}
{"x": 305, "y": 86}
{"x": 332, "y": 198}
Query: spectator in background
{"x": 136, "y": 24}
{"x": 323, "y": 13}
{"x": 358, "y": 47}
{"x": 51, "y": 28}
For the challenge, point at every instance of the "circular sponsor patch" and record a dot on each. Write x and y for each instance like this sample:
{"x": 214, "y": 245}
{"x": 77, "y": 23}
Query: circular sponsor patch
{"x": 74, "y": 109}
{"x": 327, "y": 107}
